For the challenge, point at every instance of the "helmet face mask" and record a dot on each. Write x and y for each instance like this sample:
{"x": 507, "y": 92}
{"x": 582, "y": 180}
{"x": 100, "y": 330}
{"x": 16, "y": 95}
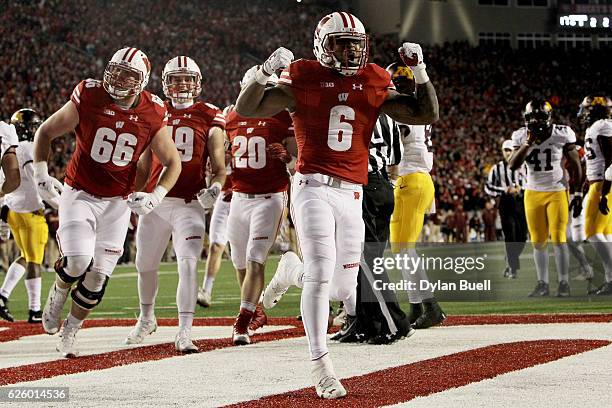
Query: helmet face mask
{"x": 538, "y": 118}
{"x": 341, "y": 43}
{"x": 26, "y": 123}
{"x": 181, "y": 80}
{"x": 127, "y": 73}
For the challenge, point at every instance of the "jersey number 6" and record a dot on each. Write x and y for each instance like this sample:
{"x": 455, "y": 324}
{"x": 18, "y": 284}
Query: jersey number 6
{"x": 340, "y": 132}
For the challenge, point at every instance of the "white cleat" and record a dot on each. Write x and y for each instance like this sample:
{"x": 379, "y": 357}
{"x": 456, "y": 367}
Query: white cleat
{"x": 183, "y": 343}
{"x": 324, "y": 379}
{"x": 52, "y": 313}
{"x": 204, "y": 298}
{"x": 142, "y": 329}
{"x": 287, "y": 274}
{"x": 66, "y": 345}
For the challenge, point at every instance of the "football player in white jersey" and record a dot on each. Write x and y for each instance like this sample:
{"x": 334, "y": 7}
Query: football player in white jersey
{"x": 414, "y": 198}
{"x": 9, "y": 181}
{"x": 25, "y": 216}
{"x": 543, "y": 145}
{"x": 595, "y": 113}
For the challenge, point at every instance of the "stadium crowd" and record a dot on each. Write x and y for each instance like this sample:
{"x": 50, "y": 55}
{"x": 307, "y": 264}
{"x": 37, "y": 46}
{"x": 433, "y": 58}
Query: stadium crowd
{"x": 47, "y": 47}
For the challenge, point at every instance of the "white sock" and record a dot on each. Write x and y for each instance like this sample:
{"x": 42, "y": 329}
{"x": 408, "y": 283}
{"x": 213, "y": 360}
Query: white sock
{"x": 540, "y": 257}
{"x": 208, "y": 284}
{"x": 14, "y": 273}
{"x": 61, "y": 290}
{"x": 248, "y": 306}
{"x": 147, "y": 312}
{"x": 147, "y": 288}
{"x": 315, "y": 315}
{"x": 562, "y": 262}
{"x": 185, "y": 320}
{"x": 187, "y": 289}
{"x": 33, "y": 288}
{"x": 72, "y": 321}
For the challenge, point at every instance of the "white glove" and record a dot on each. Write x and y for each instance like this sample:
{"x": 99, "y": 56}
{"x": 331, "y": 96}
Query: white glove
{"x": 208, "y": 196}
{"x": 608, "y": 173}
{"x": 412, "y": 55}
{"x": 49, "y": 188}
{"x": 143, "y": 203}
{"x": 279, "y": 59}
{"x": 5, "y": 231}
{"x": 8, "y": 134}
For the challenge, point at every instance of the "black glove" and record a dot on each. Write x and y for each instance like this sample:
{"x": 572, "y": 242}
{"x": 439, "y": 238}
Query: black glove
{"x": 603, "y": 205}
{"x": 576, "y": 205}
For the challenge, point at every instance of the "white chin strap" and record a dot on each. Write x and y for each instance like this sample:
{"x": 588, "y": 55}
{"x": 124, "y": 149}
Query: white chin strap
{"x": 182, "y": 105}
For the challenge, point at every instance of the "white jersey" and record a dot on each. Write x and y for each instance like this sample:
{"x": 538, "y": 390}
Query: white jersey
{"x": 25, "y": 198}
{"x": 417, "y": 157}
{"x": 8, "y": 137}
{"x": 595, "y": 161}
{"x": 544, "y": 160}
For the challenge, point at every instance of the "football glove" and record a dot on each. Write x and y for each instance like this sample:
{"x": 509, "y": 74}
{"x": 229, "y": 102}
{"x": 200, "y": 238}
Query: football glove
{"x": 278, "y": 151}
{"x": 227, "y": 196}
{"x": 603, "y": 205}
{"x": 575, "y": 205}
{"x": 412, "y": 55}
{"x": 49, "y": 188}
{"x": 143, "y": 203}
{"x": 208, "y": 196}
{"x": 5, "y": 231}
{"x": 279, "y": 59}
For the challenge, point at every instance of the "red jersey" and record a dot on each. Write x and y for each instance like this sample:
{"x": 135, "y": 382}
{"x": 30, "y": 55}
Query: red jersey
{"x": 253, "y": 171}
{"x": 189, "y": 128}
{"x": 334, "y": 117}
{"x": 110, "y": 140}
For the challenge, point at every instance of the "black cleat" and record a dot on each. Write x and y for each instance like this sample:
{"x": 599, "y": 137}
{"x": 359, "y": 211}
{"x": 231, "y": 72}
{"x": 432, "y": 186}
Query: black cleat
{"x": 507, "y": 272}
{"x": 605, "y": 289}
{"x": 356, "y": 334}
{"x": 541, "y": 289}
{"x": 349, "y": 324}
{"x": 564, "y": 289}
{"x": 416, "y": 310}
{"x": 432, "y": 316}
{"x": 512, "y": 274}
{"x": 35, "y": 317}
{"x": 4, "y": 311}
{"x": 388, "y": 338}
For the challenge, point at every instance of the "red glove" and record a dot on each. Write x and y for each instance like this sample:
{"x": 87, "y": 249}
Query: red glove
{"x": 280, "y": 152}
{"x": 227, "y": 196}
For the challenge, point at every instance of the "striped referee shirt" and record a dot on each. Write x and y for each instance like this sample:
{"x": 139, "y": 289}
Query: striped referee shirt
{"x": 501, "y": 177}
{"x": 386, "y": 147}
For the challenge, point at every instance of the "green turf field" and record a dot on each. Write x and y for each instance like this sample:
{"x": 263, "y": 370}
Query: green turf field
{"x": 121, "y": 299}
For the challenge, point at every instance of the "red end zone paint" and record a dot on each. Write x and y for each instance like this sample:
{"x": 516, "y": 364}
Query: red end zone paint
{"x": 102, "y": 361}
{"x": 404, "y": 383}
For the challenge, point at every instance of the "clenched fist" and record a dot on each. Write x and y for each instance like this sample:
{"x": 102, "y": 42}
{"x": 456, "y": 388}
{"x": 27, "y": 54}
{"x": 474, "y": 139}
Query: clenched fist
{"x": 280, "y": 152}
{"x": 412, "y": 55}
{"x": 279, "y": 59}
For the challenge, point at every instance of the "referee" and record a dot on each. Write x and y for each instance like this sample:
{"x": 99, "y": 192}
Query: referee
{"x": 507, "y": 186}
{"x": 379, "y": 317}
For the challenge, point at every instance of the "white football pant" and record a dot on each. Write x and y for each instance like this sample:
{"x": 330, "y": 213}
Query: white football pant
{"x": 330, "y": 233}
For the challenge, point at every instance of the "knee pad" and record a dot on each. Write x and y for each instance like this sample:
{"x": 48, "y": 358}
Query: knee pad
{"x": 90, "y": 290}
{"x": 70, "y": 268}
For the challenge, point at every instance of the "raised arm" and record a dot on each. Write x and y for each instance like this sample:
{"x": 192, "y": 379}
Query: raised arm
{"x": 422, "y": 109}
{"x": 257, "y": 101}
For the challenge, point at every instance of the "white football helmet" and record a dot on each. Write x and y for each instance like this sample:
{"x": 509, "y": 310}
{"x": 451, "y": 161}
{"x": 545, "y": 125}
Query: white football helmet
{"x": 181, "y": 91}
{"x": 341, "y": 26}
{"x": 127, "y": 73}
{"x": 249, "y": 76}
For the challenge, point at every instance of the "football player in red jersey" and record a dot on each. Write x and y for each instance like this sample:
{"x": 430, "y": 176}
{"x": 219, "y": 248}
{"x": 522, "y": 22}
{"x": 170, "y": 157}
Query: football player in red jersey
{"x": 115, "y": 121}
{"x": 260, "y": 150}
{"x": 334, "y": 102}
{"x": 197, "y": 129}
